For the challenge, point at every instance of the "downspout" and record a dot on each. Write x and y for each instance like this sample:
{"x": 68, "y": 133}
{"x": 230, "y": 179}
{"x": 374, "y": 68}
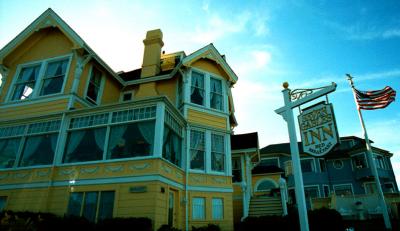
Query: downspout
{"x": 249, "y": 186}
{"x": 243, "y": 186}
{"x": 187, "y": 178}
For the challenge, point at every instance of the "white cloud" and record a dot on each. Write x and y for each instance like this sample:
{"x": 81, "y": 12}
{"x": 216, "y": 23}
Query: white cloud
{"x": 205, "y": 6}
{"x": 362, "y": 31}
{"x": 218, "y": 27}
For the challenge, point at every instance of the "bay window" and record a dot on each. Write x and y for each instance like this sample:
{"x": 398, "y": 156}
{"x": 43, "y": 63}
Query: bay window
{"x": 131, "y": 140}
{"x": 8, "y": 152}
{"x": 85, "y": 145}
{"x": 197, "y": 88}
{"x": 39, "y": 150}
{"x": 217, "y": 153}
{"x": 40, "y": 78}
{"x": 216, "y": 99}
{"x": 130, "y": 134}
{"x": 39, "y": 141}
{"x": 197, "y": 150}
{"x": 207, "y": 151}
{"x": 207, "y": 90}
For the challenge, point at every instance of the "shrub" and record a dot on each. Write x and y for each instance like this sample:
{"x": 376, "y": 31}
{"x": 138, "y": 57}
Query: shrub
{"x": 138, "y": 223}
{"x": 325, "y": 219}
{"x": 167, "y": 228}
{"x": 209, "y": 227}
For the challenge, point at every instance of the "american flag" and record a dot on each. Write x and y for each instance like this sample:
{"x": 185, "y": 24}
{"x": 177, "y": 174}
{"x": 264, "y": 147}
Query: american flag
{"x": 371, "y": 100}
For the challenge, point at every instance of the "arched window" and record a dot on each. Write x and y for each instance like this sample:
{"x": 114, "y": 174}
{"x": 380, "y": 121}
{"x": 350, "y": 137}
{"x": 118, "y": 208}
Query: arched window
{"x": 265, "y": 185}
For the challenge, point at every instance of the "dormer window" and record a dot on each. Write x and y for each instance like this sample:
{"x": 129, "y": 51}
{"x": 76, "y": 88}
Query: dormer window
{"x": 197, "y": 89}
{"x": 216, "y": 94}
{"x": 26, "y": 82}
{"x": 54, "y": 78}
{"x": 93, "y": 89}
{"x": 207, "y": 90}
{"x": 39, "y": 79}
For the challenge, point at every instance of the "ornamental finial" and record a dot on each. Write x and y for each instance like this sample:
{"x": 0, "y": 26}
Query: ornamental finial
{"x": 285, "y": 85}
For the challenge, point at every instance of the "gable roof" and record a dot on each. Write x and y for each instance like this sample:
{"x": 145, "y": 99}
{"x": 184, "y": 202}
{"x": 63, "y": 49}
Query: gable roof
{"x": 244, "y": 141}
{"x": 50, "y": 19}
{"x": 210, "y": 52}
{"x": 342, "y": 149}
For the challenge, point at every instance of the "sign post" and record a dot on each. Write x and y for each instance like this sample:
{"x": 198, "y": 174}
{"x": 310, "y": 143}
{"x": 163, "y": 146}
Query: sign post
{"x": 300, "y": 97}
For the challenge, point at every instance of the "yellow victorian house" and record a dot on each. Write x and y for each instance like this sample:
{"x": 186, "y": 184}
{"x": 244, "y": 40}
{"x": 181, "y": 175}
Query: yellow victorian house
{"x": 78, "y": 138}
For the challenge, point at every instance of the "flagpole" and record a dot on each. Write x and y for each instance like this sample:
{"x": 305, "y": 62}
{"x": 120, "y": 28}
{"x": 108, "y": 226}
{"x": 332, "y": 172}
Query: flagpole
{"x": 371, "y": 162}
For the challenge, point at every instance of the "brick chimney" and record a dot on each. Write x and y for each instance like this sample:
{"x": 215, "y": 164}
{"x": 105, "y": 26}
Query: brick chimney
{"x": 152, "y": 53}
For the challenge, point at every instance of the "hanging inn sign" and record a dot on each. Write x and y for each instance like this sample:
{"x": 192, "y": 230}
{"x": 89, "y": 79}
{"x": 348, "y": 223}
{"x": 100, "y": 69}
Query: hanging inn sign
{"x": 318, "y": 129}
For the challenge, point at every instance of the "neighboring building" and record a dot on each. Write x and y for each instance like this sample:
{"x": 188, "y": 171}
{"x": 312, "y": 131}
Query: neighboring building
{"x": 78, "y": 138}
{"x": 344, "y": 171}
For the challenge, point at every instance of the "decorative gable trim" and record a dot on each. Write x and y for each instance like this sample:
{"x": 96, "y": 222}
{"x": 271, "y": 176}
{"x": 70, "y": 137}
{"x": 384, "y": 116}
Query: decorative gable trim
{"x": 50, "y": 19}
{"x": 210, "y": 52}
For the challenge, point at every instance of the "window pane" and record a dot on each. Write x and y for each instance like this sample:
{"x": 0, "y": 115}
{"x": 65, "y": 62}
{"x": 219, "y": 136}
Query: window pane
{"x": 322, "y": 165}
{"x": 216, "y": 94}
{"x": 269, "y": 162}
{"x": 131, "y": 140}
{"x": 197, "y": 150}
{"x": 197, "y": 89}
{"x": 236, "y": 170}
{"x": 3, "y": 201}
{"x": 85, "y": 145}
{"x": 307, "y": 165}
{"x": 54, "y": 77}
{"x": 198, "y": 212}
{"x": 343, "y": 190}
{"x": 172, "y": 146}
{"x": 359, "y": 162}
{"x": 94, "y": 85}
{"x": 39, "y": 150}
{"x": 75, "y": 204}
{"x": 26, "y": 82}
{"x": 106, "y": 205}
{"x": 217, "y": 209}
{"x": 90, "y": 207}
{"x": 8, "y": 152}
{"x": 217, "y": 153}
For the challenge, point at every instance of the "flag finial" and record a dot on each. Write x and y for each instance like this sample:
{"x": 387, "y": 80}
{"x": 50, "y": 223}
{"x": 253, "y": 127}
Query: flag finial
{"x": 350, "y": 78}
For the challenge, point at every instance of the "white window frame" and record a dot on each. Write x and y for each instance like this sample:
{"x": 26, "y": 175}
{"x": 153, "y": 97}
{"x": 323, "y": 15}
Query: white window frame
{"x": 207, "y": 90}
{"x": 39, "y": 81}
{"x": 23, "y": 138}
{"x": 207, "y": 152}
{"x": 338, "y": 185}
{"x": 323, "y": 190}
{"x": 121, "y": 97}
{"x": 101, "y": 88}
{"x": 313, "y": 166}
{"x": 217, "y": 207}
{"x": 108, "y": 125}
{"x": 199, "y": 203}
{"x": 224, "y": 154}
{"x": 355, "y": 167}
{"x": 269, "y": 158}
{"x": 313, "y": 186}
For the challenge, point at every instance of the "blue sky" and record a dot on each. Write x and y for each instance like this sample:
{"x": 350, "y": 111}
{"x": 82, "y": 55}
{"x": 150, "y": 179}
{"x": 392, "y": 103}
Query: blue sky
{"x": 307, "y": 43}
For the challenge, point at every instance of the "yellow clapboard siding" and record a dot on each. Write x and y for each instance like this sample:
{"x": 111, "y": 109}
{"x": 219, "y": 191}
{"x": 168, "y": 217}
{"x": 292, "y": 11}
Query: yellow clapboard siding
{"x": 34, "y": 109}
{"x": 206, "y": 119}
